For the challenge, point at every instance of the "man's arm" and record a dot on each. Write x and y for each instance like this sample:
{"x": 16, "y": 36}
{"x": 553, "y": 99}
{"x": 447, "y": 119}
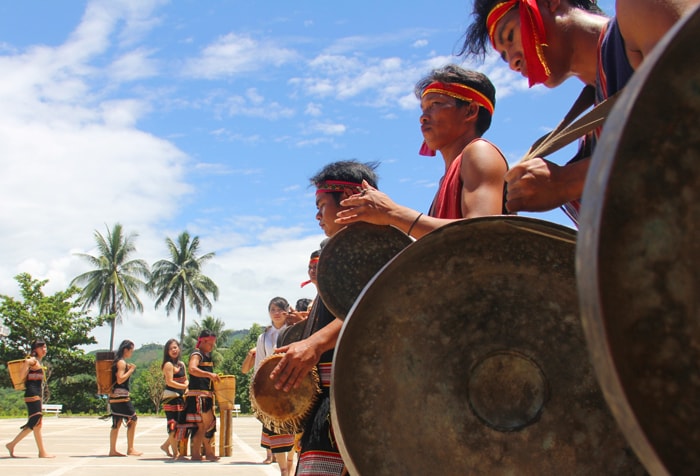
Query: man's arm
{"x": 249, "y": 361}
{"x": 538, "y": 185}
{"x": 482, "y": 172}
{"x": 644, "y": 22}
{"x": 376, "y": 207}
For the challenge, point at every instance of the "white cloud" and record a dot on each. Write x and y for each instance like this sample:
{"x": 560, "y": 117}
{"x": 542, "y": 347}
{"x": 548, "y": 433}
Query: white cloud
{"x": 327, "y": 128}
{"x": 234, "y": 54}
{"x": 76, "y": 156}
{"x": 313, "y": 109}
{"x": 133, "y": 65}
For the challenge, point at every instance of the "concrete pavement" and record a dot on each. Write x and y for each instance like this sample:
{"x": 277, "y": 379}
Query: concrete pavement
{"x": 81, "y": 445}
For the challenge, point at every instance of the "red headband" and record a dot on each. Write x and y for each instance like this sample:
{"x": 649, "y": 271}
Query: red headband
{"x": 532, "y": 33}
{"x": 311, "y": 261}
{"x": 204, "y": 339}
{"x": 457, "y": 91}
{"x": 330, "y": 186}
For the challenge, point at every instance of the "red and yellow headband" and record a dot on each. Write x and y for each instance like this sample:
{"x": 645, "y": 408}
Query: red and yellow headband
{"x": 459, "y": 91}
{"x": 206, "y": 339}
{"x": 532, "y": 33}
{"x": 311, "y": 261}
{"x": 330, "y": 186}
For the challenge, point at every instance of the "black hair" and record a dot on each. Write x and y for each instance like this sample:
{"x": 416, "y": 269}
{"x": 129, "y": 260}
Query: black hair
{"x": 206, "y": 333}
{"x": 303, "y": 304}
{"x": 476, "y": 38}
{"x": 126, "y": 344}
{"x": 280, "y": 302}
{"x": 347, "y": 171}
{"x": 35, "y": 345}
{"x": 166, "y": 353}
{"x": 452, "y": 73}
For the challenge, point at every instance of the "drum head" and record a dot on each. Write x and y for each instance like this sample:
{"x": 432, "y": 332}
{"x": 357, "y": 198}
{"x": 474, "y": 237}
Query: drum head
{"x": 639, "y": 253}
{"x": 282, "y": 412}
{"x": 465, "y": 355}
{"x": 350, "y": 259}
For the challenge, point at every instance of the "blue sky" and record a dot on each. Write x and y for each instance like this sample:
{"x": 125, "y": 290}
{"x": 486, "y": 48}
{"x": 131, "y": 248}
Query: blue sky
{"x": 210, "y": 116}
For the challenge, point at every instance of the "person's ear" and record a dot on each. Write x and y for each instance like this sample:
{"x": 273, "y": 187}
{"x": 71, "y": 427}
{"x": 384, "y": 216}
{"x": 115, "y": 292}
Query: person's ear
{"x": 471, "y": 111}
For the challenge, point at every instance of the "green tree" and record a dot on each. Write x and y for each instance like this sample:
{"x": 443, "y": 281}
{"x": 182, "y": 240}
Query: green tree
{"x": 59, "y": 320}
{"x": 179, "y": 280}
{"x": 218, "y": 327}
{"x": 148, "y": 388}
{"x": 115, "y": 281}
{"x": 210, "y": 323}
{"x": 232, "y": 361}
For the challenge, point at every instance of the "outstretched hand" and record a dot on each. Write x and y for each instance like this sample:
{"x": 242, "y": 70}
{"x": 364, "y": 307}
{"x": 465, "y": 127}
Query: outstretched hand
{"x": 370, "y": 205}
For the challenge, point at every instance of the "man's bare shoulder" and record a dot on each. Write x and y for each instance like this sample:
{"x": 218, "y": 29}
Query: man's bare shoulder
{"x": 482, "y": 154}
{"x": 644, "y": 22}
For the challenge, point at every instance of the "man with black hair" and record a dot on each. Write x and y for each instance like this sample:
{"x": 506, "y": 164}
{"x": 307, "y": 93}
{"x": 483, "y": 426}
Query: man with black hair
{"x": 548, "y": 41}
{"x": 456, "y": 110}
{"x": 319, "y": 453}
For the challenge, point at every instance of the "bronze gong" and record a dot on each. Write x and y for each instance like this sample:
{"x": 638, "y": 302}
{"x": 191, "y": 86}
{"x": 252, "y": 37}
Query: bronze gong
{"x": 466, "y": 355}
{"x": 349, "y": 260}
{"x": 639, "y": 253}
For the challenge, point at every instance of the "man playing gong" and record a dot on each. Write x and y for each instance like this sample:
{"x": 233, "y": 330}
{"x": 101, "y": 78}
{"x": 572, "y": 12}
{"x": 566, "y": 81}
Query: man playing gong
{"x": 549, "y": 41}
{"x": 319, "y": 452}
{"x": 456, "y": 110}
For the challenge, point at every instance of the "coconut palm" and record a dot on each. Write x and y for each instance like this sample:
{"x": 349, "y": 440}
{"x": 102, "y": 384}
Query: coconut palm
{"x": 180, "y": 279}
{"x": 115, "y": 281}
{"x": 210, "y": 323}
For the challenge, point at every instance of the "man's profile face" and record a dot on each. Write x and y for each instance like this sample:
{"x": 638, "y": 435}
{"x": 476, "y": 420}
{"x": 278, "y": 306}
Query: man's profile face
{"x": 507, "y": 41}
{"x": 326, "y": 212}
{"x": 207, "y": 344}
{"x": 441, "y": 121}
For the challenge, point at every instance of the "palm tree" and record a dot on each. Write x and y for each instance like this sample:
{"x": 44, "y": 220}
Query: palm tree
{"x": 217, "y": 326}
{"x": 115, "y": 282}
{"x": 180, "y": 279}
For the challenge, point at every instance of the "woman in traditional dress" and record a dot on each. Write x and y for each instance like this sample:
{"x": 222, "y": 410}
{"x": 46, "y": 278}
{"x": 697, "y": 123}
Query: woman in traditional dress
{"x": 122, "y": 408}
{"x": 173, "y": 401}
{"x": 33, "y": 396}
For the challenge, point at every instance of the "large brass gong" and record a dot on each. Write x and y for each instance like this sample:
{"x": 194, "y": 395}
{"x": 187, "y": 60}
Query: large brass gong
{"x": 465, "y": 355}
{"x": 639, "y": 253}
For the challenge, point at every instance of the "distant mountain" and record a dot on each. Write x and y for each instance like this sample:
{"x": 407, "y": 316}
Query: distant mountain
{"x": 144, "y": 355}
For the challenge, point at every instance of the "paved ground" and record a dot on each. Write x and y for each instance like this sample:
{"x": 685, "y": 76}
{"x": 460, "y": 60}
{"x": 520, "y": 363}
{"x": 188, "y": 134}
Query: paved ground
{"x": 81, "y": 445}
